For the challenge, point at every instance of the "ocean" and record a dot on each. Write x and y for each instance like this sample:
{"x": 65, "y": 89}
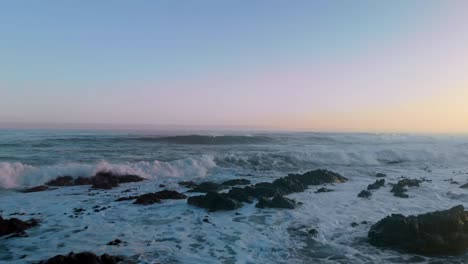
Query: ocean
{"x": 175, "y": 232}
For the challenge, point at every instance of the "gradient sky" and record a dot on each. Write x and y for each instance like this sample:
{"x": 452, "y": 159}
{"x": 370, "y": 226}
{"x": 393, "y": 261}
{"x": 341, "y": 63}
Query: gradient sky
{"x": 370, "y": 66}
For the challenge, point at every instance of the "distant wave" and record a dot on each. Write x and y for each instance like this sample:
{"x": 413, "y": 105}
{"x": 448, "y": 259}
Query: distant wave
{"x": 210, "y": 140}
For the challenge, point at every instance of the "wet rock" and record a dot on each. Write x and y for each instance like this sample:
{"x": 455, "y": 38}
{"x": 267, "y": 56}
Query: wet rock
{"x": 464, "y": 186}
{"x": 162, "y": 185}
{"x": 40, "y": 188}
{"x": 323, "y": 189}
{"x": 214, "y": 202}
{"x": 364, "y": 194}
{"x": 354, "y": 224}
{"x": 61, "y": 181}
{"x": 288, "y": 185}
{"x": 151, "y": 198}
{"x": 319, "y": 177}
{"x": 235, "y": 182}
{"x": 399, "y": 189}
{"x": 276, "y": 202}
{"x": 84, "y": 257}
{"x": 206, "y": 187}
{"x": 240, "y": 195}
{"x": 126, "y": 198}
{"x": 188, "y": 184}
{"x": 440, "y": 232}
{"x": 147, "y": 199}
{"x": 380, "y": 175}
{"x": 376, "y": 185}
{"x": 115, "y": 242}
{"x": 313, "y": 232}
{"x": 263, "y": 189}
{"x": 15, "y": 226}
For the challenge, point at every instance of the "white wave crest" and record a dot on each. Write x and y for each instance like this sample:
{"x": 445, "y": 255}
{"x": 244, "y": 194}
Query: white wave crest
{"x": 17, "y": 174}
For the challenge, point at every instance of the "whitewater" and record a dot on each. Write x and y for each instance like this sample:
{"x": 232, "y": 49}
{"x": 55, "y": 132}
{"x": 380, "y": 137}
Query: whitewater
{"x": 176, "y": 232}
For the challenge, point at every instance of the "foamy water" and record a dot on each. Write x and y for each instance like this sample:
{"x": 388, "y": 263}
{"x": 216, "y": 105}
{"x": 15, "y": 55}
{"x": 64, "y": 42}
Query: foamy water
{"x": 174, "y": 232}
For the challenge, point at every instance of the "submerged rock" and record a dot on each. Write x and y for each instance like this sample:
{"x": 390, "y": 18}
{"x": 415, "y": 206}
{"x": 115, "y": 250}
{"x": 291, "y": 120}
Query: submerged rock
{"x": 15, "y": 226}
{"x": 40, "y": 188}
{"x": 84, "y": 257}
{"x": 364, "y": 194}
{"x": 276, "y": 202}
{"x": 376, "y": 185}
{"x": 214, "y": 201}
{"x": 235, "y": 182}
{"x": 440, "y": 232}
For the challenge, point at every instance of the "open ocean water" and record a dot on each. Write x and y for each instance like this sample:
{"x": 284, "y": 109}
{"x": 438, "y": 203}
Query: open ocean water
{"x": 174, "y": 232}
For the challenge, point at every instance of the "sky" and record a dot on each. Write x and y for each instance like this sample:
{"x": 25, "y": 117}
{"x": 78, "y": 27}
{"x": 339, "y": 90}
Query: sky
{"x": 324, "y": 65}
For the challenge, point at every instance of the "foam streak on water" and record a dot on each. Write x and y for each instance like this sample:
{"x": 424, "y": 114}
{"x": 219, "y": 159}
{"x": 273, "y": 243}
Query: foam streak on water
{"x": 174, "y": 232}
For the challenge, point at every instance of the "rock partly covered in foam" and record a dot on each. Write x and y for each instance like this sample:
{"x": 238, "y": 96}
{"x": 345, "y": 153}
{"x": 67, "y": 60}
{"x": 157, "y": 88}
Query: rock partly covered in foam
{"x": 440, "y": 232}
{"x": 81, "y": 258}
{"x": 399, "y": 189}
{"x": 292, "y": 183}
{"x": 376, "y": 185}
{"x": 15, "y": 226}
{"x": 102, "y": 180}
{"x": 364, "y": 194}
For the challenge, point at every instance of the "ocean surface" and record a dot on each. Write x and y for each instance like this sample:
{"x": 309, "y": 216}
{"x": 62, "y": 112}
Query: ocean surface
{"x": 174, "y": 232}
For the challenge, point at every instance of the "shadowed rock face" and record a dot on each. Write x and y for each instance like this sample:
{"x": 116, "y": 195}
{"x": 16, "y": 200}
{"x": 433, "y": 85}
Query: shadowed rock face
{"x": 15, "y": 226}
{"x": 82, "y": 258}
{"x": 440, "y": 232}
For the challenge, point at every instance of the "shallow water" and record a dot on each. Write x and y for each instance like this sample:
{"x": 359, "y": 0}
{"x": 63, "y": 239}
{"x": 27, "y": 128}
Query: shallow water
{"x": 174, "y": 232}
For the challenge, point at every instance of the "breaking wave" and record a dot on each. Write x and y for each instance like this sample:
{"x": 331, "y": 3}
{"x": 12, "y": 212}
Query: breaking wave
{"x": 210, "y": 140}
{"x": 18, "y": 174}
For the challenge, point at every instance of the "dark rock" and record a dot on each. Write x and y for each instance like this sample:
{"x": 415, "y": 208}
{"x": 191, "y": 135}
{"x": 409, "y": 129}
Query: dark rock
{"x": 263, "y": 189}
{"x": 313, "y": 232}
{"x": 380, "y": 175}
{"x": 147, "y": 199}
{"x": 236, "y": 182}
{"x": 464, "y": 186}
{"x": 288, "y": 185}
{"x": 206, "y": 220}
{"x": 240, "y": 195}
{"x": 40, "y": 188}
{"x": 15, "y": 226}
{"x": 162, "y": 185}
{"x": 115, "y": 242}
{"x": 151, "y": 198}
{"x": 126, "y": 198}
{"x": 102, "y": 180}
{"x": 319, "y": 177}
{"x": 364, "y": 194}
{"x": 354, "y": 224}
{"x": 376, "y": 185}
{"x": 81, "y": 258}
{"x": 399, "y": 189}
{"x": 276, "y": 202}
{"x": 206, "y": 187}
{"x": 323, "y": 189}
{"x": 188, "y": 184}
{"x": 440, "y": 232}
{"x": 214, "y": 201}
{"x": 61, "y": 181}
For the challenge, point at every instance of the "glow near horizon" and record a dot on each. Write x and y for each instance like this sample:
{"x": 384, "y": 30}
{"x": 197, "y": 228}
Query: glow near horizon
{"x": 326, "y": 66}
